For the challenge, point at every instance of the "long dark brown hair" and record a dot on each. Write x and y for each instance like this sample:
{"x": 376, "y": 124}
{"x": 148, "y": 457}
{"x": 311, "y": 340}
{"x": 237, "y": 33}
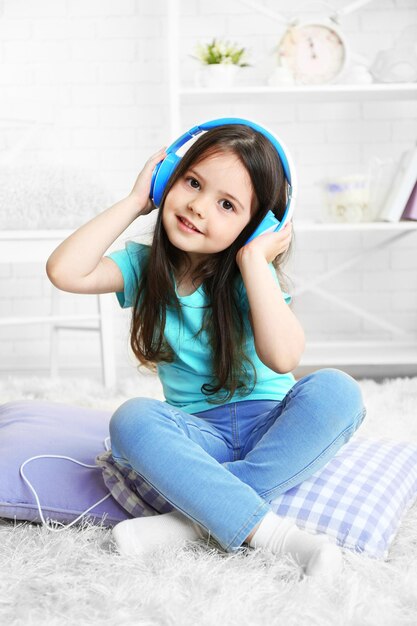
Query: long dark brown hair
{"x": 218, "y": 273}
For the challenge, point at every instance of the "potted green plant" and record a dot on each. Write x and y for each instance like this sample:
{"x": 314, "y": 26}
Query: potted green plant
{"x": 221, "y": 61}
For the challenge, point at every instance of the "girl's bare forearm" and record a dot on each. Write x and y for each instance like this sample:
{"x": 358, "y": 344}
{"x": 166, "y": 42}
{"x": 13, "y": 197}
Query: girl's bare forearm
{"x": 278, "y": 335}
{"x": 81, "y": 252}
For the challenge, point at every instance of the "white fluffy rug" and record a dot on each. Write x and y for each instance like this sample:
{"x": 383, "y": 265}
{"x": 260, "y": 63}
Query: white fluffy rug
{"x": 76, "y": 577}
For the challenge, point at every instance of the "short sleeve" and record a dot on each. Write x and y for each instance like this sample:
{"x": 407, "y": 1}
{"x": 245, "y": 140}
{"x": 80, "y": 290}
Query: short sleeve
{"x": 131, "y": 262}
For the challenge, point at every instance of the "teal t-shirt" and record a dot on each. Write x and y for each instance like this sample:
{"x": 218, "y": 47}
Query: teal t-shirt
{"x": 191, "y": 369}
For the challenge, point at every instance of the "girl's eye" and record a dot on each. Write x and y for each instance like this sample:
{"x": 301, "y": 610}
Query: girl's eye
{"x": 228, "y": 206}
{"x": 193, "y": 182}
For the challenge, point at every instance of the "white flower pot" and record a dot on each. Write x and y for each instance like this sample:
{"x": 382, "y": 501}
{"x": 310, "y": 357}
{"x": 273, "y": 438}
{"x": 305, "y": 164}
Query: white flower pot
{"x": 218, "y": 76}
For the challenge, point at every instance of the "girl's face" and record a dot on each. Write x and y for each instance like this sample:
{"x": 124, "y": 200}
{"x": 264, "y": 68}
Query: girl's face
{"x": 209, "y": 206}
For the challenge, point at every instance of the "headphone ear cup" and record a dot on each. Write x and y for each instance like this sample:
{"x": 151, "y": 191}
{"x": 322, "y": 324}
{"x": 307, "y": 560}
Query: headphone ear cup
{"x": 161, "y": 175}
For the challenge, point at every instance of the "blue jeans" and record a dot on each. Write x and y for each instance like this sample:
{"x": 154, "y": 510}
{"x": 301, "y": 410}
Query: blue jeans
{"x": 222, "y": 467}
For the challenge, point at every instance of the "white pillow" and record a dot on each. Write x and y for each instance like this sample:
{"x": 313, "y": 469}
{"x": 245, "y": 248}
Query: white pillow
{"x": 40, "y": 195}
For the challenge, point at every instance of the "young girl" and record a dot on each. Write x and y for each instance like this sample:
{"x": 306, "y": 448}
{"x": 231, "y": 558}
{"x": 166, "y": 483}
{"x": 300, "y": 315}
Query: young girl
{"x": 236, "y": 429}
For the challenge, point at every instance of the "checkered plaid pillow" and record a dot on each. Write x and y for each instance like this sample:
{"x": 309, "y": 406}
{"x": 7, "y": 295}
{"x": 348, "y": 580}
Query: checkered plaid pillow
{"x": 359, "y": 498}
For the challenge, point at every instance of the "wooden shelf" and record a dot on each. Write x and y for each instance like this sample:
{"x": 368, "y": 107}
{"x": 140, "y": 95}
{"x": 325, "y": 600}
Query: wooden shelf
{"x": 29, "y": 246}
{"x": 11, "y": 235}
{"x": 388, "y": 227}
{"x": 34, "y": 246}
{"x": 327, "y": 353}
{"x": 311, "y": 93}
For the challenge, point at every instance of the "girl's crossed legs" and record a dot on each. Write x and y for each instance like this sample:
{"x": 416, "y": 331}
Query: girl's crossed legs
{"x": 222, "y": 467}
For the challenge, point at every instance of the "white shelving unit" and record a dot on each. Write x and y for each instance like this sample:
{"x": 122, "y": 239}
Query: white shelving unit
{"x": 180, "y": 94}
{"x": 403, "y": 351}
{"x": 332, "y": 93}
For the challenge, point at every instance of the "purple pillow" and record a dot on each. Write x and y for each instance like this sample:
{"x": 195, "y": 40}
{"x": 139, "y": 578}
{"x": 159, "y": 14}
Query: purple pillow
{"x": 65, "y": 490}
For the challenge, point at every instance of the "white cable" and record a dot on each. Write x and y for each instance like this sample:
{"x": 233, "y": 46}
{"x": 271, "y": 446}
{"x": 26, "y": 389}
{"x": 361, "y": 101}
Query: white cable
{"x": 67, "y": 458}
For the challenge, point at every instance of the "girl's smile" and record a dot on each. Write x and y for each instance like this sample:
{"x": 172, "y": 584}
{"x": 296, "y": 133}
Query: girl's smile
{"x": 187, "y": 226}
{"x": 207, "y": 208}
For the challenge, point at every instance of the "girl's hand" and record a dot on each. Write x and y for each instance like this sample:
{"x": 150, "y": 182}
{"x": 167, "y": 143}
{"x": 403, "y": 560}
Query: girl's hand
{"x": 142, "y": 186}
{"x": 269, "y": 245}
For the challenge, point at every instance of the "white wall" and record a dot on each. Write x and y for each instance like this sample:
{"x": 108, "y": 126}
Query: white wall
{"x": 101, "y": 66}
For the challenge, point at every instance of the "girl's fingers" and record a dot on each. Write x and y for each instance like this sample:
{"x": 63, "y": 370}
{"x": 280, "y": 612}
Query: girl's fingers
{"x": 285, "y": 233}
{"x": 144, "y": 177}
{"x": 158, "y": 156}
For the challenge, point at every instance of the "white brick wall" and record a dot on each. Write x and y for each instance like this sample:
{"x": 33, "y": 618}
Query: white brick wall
{"x": 102, "y": 65}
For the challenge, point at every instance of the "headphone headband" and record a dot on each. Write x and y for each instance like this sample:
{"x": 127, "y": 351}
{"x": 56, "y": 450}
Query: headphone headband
{"x": 165, "y": 169}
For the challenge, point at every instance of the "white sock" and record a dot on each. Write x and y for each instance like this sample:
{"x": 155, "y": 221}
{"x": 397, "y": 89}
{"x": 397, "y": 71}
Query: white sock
{"x": 314, "y": 553}
{"x": 143, "y": 534}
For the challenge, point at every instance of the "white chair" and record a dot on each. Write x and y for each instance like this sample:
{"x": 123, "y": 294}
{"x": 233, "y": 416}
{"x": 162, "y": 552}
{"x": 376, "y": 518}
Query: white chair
{"x": 27, "y": 246}
{"x": 34, "y": 246}
{"x": 103, "y": 325}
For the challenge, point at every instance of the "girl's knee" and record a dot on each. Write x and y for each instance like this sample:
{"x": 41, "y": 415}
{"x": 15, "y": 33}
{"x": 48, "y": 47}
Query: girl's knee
{"x": 343, "y": 395}
{"x": 337, "y": 382}
{"x": 132, "y": 415}
{"x": 348, "y": 396}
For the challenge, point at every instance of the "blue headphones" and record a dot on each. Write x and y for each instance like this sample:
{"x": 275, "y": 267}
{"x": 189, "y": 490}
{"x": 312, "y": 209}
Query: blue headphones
{"x": 165, "y": 169}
